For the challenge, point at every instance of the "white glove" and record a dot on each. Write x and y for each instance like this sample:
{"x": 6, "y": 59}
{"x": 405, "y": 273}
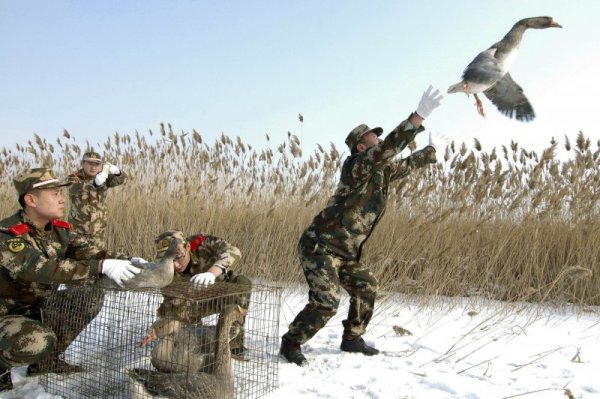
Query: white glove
{"x": 114, "y": 170}
{"x": 100, "y": 178}
{"x": 429, "y": 102}
{"x": 135, "y": 260}
{"x": 434, "y": 143}
{"x": 119, "y": 270}
{"x": 206, "y": 278}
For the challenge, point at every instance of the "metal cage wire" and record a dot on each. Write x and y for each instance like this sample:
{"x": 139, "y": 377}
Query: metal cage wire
{"x": 104, "y": 329}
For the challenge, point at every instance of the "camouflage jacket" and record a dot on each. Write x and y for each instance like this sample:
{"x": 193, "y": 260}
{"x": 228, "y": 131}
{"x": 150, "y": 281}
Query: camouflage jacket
{"x": 360, "y": 198}
{"x": 87, "y": 211}
{"x": 207, "y": 250}
{"x": 32, "y": 261}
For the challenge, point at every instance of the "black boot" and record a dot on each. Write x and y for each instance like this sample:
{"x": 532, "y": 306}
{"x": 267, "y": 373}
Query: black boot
{"x": 5, "y": 381}
{"x": 358, "y": 345}
{"x": 291, "y": 352}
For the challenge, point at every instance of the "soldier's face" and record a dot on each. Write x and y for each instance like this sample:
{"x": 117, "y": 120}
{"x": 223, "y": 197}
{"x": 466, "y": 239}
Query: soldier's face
{"x": 182, "y": 257}
{"x": 46, "y": 204}
{"x": 367, "y": 141}
{"x": 91, "y": 169}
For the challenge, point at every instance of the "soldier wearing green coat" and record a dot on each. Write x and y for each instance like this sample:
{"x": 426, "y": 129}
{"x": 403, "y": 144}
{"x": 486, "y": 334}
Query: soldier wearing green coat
{"x": 39, "y": 251}
{"x": 202, "y": 259}
{"x": 330, "y": 248}
{"x": 87, "y": 196}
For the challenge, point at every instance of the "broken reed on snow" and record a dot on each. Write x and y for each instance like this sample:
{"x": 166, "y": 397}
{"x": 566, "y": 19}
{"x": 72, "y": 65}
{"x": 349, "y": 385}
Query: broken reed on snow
{"x": 507, "y": 223}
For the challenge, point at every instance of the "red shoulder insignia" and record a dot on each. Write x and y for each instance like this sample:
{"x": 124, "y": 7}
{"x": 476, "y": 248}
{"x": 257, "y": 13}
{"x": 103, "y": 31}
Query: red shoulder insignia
{"x": 19, "y": 229}
{"x": 61, "y": 223}
{"x": 196, "y": 242}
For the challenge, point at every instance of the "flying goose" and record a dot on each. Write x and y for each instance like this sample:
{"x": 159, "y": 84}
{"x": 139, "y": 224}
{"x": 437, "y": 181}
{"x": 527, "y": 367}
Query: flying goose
{"x": 488, "y": 73}
{"x": 217, "y": 384}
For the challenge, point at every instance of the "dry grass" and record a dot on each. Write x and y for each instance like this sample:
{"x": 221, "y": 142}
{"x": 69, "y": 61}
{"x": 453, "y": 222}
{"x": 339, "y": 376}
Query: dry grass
{"x": 507, "y": 224}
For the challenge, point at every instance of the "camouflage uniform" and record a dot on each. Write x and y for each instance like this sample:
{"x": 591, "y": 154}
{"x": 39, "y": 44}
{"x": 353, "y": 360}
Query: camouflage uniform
{"x": 205, "y": 252}
{"x": 330, "y": 248}
{"x": 87, "y": 211}
{"x": 32, "y": 264}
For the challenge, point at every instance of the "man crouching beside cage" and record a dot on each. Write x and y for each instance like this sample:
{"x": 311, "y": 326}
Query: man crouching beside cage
{"x": 203, "y": 259}
{"x": 38, "y": 252}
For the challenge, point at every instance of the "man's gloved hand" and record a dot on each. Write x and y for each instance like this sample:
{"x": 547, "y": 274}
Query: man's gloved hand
{"x": 206, "y": 278}
{"x": 100, "y": 178}
{"x": 135, "y": 260}
{"x": 119, "y": 270}
{"x": 429, "y": 102}
{"x": 114, "y": 170}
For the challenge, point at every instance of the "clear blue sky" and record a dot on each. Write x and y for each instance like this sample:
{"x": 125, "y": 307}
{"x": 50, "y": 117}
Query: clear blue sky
{"x": 247, "y": 68}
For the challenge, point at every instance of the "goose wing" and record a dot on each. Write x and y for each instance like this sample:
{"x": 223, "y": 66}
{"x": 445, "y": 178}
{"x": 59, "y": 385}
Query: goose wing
{"x": 484, "y": 68}
{"x": 508, "y": 97}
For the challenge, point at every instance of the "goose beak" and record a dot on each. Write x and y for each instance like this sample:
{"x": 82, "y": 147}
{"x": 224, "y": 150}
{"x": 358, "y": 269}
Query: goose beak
{"x": 149, "y": 338}
{"x": 555, "y": 24}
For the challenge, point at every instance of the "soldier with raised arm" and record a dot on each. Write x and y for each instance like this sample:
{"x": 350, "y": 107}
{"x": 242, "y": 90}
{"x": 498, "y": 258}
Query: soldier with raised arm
{"x": 88, "y": 190}
{"x": 330, "y": 249}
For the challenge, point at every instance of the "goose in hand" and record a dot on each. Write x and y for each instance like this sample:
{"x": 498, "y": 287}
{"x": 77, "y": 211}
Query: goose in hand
{"x": 157, "y": 274}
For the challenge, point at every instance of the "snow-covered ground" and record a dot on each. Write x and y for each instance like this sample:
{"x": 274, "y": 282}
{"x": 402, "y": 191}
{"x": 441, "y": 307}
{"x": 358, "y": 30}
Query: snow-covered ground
{"x": 439, "y": 348}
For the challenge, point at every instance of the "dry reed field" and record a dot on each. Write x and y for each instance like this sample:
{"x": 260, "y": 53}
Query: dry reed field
{"x": 507, "y": 224}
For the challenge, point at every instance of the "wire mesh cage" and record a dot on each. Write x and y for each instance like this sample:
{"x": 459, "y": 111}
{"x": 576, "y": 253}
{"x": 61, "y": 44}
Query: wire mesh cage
{"x": 183, "y": 342}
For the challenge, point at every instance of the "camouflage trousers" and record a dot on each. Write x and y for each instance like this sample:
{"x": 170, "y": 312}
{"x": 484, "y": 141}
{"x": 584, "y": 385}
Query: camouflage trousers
{"x": 191, "y": 312}
{"x": 325, "y": 274}
{"x": 25, "y": 340}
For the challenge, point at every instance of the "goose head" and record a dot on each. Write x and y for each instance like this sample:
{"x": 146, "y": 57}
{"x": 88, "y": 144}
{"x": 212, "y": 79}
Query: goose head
{"x": 540, "y": 23}
{"x": 161, "y": 328}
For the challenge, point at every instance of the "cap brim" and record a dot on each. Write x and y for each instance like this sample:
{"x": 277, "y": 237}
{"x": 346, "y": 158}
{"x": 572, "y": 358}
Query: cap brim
{"x": 95, "y": 160}
{"x": 376, "y": 130}
{"x": 56, "y": 185}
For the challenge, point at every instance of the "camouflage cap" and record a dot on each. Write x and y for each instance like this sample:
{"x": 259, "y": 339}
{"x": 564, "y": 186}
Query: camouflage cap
{"x": 92, "y": 156}
{"x": 356, "y": 134}
{"x": 37, "y": 178}
{"x": 164, "y": 240}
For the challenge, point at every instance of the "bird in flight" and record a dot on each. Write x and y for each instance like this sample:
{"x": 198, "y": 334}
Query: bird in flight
{"x": 488, "y": 73}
